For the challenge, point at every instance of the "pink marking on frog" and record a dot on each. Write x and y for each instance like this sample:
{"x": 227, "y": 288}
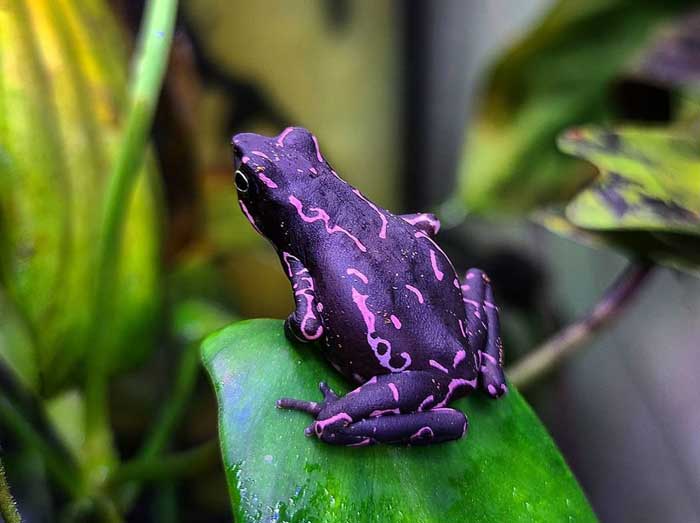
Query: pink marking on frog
{"x": 322, "y": 216}
{"x": 490, "y": 305}
{"x": 466, "y": 287}
{"x": 455, "y": 384}
{"x": 280, "y": 140}
{"x": 319, "y": 307}
{"x": 322, "y": 424}
{"x": 313, "y": 170}
{"x": 382, "y": 231}
{"x": 248, "y": 215}
{"x": 309, "y": 315}
{"x": 438, "y": 273}
{"x": 361, "y": 443}
{"x": 473, "y": 303}
{"x": 267, "y": 181}
{"x": 425, "y": 402}
{"x": 394, "y": 391}
{"x": 470, "y": 275}
{"x": 373, "y": 339}
{"x": 286, "y": 257}
{"x": 355, "y": 272}
{"x": 245, "y": 160}
{"x": 459, "y": 357}
{"x": 383, "y": 412}
{"x": 395, "y": 321}
{"x": 372, "y": 381}
{"x": 416, "y": 292}
{"x": 422, "y": 217}
{"x": 461, "y": 327}
{"x": 437, "y": 365}
{"x": 422, "y": 433}
{"x": 318, "y": 149}
{"x": 455, "y": 282}
{"x": 261, "y": 154}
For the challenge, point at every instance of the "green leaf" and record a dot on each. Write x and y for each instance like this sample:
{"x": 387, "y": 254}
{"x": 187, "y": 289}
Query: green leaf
{"x": 63, "y": 70}
{"x": 506, "y": 469}
{"x": 650, "y": 180}
{"x": 646, "y": 200}
{"x": 560, "y": 74}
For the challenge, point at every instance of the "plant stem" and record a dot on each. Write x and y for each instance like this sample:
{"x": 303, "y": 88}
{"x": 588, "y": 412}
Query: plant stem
{"x": 169, "y": 417}
{"x": 178, "y": 465}
{"x": 62, "y": 470}
{"x": 151, "y": 59}
{"x": 564, "y": 344}
{"x": 8, "y": 507}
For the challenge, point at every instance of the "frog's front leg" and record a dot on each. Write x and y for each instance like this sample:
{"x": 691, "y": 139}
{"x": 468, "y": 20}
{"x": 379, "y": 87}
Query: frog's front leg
{"x": 484, "y": 330}
{"x": 304, "y": 324}
{"x": 404, "y": 407}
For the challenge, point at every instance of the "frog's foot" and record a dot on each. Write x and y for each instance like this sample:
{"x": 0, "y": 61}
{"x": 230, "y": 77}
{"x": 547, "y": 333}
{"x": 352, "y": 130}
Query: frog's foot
{"x": 404, "y": 408}
{"x": 483, "y": 331}
{"x": 310, "y": 407}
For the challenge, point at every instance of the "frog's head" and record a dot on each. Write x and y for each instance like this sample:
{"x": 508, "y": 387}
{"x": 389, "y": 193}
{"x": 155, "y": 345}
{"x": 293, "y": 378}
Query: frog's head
{"x": 270, "y": 173}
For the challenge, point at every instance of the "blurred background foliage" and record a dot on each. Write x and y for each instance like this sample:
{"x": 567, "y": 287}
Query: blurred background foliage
{"x": 389, "y": 87}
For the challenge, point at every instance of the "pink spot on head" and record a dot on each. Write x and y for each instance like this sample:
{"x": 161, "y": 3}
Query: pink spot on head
{"x": 470, "y": 275}
{"x": 245, "y": 159}
{"x": 415, "y": 291}
{"x": 249, "y": 216}
{"x": 281, "y": 137}
{"x": 395, "y": 321}
{"x": 433, "y": 261}
{"x": 355, "y": 272}
{"x": 318, "y": 149}
{"x": 313, "y": 170}
{"x": 261, "y": 154}
{"x": 267, "y": 181}
{"x": 394, "y": 391}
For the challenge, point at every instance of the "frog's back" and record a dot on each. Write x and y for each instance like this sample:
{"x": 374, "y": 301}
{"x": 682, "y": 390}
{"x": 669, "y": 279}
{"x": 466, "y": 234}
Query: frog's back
{"x": 389, "y": 298}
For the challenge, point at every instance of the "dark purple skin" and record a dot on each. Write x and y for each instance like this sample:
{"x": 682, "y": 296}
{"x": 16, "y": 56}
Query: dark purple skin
{"x": 378, "y": 295}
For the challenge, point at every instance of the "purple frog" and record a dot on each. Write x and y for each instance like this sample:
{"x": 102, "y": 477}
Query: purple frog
{"x": 376, "y": 293}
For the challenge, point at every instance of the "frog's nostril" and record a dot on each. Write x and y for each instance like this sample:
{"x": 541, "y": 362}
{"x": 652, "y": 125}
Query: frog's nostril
{"x": 241, "y": 181}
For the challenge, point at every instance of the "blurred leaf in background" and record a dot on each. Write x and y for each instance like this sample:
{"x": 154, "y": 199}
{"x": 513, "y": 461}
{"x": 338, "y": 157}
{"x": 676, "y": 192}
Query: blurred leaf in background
{"x": 62, "y": 90}
{"x": 646, "y": 199}
{"x": 506, "y": 469}
{"x": 563, "y": 73}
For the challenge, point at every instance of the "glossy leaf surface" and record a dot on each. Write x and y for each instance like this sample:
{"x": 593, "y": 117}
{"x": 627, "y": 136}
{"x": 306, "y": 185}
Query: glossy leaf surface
{"x": 506, "y": 469}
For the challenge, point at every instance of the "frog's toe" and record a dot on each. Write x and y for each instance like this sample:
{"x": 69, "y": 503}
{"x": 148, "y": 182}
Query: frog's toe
{"x": 328, "y": 393}
{"x": 311, "y": 407}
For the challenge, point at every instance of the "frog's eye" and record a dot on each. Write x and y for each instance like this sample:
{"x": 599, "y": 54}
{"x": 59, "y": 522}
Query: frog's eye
{"x": 241, "y": 181}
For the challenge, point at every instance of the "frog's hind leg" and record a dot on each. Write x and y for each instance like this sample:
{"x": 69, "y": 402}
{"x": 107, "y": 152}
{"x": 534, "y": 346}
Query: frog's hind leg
{"x": 404, "y": 408}
{"x": 304, "y": 324}
{"x": 483, "y": 331}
